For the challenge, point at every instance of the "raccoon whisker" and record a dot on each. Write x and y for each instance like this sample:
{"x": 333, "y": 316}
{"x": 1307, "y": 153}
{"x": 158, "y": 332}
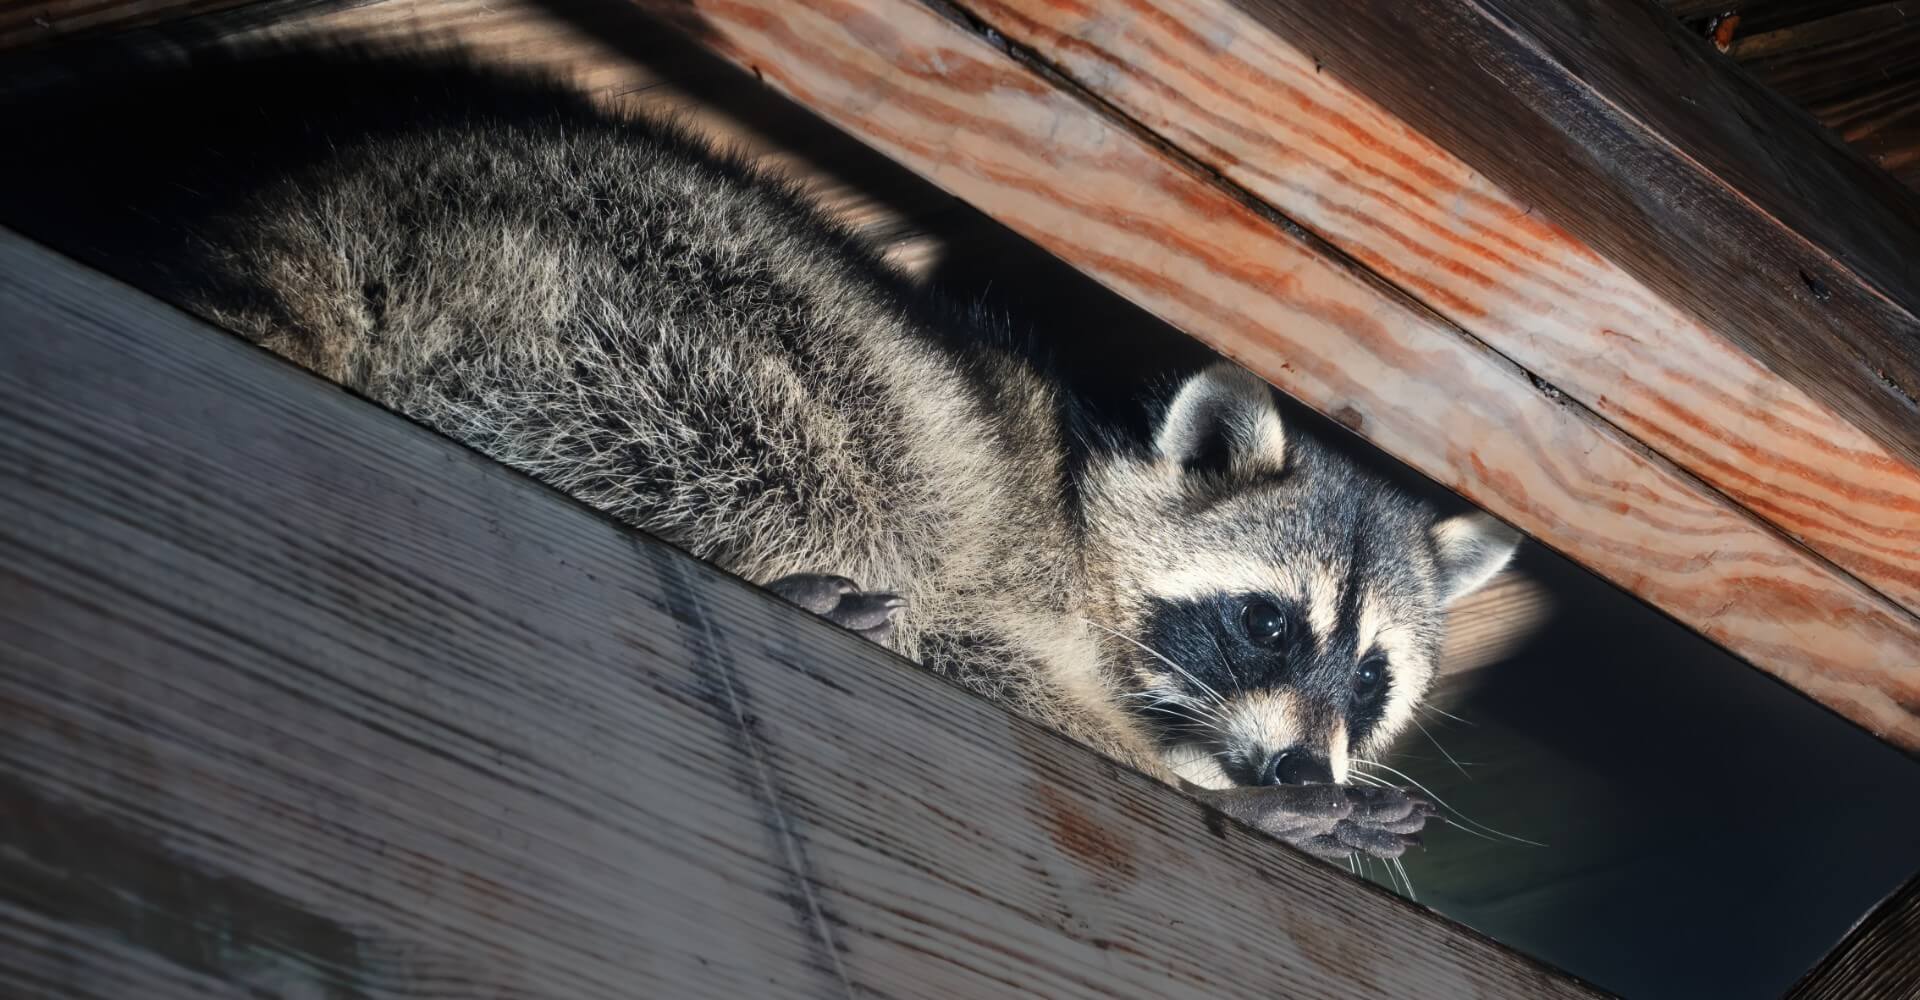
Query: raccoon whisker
{"x": 1405, "y": 879}
{"x": 1226, "y": 661}
{"x": 1186, "y": 710}
{"x": 1443, "y": 750}
{"x": 1149, "y": 650}
{"x": 1448, "y": 714}
{"x": 1393, "y": 883}
{"x": 1166, "y": 702}
{"x": 1437, "y": 800}
{"x": 1202, "y": 722}
{"x": 1184, "y": 672}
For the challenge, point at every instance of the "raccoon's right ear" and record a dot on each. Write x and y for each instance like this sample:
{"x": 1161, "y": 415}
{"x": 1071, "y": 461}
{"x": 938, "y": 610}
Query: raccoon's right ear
{"x": 1222, "y": 419}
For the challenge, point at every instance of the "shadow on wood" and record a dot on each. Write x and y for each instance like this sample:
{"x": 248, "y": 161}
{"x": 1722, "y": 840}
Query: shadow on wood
{"x": 298, "y": 696}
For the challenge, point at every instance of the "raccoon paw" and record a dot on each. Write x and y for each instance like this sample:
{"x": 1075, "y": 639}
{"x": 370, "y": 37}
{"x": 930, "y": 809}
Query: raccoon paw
{"x": 842, "y": 602}
{"x": 1331, "y": 822}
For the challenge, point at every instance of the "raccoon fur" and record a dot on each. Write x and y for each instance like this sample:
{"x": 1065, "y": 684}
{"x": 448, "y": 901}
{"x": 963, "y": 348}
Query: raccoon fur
{"x": 646, "y": 324}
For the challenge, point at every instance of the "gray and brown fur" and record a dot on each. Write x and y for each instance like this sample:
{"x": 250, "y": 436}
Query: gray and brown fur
{"x": 643, "y": 323}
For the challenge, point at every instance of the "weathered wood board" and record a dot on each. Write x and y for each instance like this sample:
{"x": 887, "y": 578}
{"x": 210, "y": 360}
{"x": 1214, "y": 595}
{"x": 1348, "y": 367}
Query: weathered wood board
{"x": 1857, "y": 71}
{"x": 1762, "y": 15}
{"x": 945, "y": 101}
{"x": 1880, "y": 959}
{"x": 1715, "y": 192}
{"x": 945, "y": 98}
{"x": 297, "y": 698}
{"x": 1210, "y": 79}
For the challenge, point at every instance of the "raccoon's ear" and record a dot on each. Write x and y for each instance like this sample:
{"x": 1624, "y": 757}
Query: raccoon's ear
{"x": 1223, "y": 418}
{"x": 1470, "y": 549}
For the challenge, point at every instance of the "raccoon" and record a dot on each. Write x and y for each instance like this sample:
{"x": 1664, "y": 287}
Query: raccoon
{"x": 642, "y": 321}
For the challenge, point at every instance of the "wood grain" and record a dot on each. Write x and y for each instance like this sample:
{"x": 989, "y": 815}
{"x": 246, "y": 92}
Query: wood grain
{"x": 1646, "y": 145}
{"x": 1763, "y": 15}
{"x": 1207, "y": 78}
{"x": 1489, "y": 625}
{"x": 1880, "y": 958}
{"x": 943, "y": 100}
{"x": 30, "y": 23}
{"x": 946, "y": 102}
{"x": 297, "y": 698}
{"x": 1857, "y": 72}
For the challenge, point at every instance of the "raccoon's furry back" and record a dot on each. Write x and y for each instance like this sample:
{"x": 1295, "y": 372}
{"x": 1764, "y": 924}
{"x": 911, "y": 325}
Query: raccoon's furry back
{"x": 600, "y": 301}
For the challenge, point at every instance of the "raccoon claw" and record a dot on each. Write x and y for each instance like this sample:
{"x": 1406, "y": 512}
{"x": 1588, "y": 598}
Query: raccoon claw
{"x": 842, "y": 602}
{"x": 1331, "y": 822}
{"x": 1394, "y": 810}
{"x": 1373, "y": 840}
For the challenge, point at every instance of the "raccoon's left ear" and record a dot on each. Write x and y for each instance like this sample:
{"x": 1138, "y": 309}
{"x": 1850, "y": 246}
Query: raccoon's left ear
{"x": 1470, "y": 549}
{"x": 1222, "y": 419}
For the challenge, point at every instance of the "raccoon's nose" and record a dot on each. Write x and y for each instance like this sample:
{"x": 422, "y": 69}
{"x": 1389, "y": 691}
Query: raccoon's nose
{"x": 1297, "y": 767}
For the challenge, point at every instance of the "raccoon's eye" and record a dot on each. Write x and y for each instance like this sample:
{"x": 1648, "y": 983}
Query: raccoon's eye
{"x": 1264, "y": 623}
{"x": 1369, "y": 676}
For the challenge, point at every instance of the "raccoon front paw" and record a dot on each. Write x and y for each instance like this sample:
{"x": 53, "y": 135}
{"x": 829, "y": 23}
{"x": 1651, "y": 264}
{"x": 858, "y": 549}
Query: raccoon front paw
{"x": 1331, "y": 822}
{"x": 842, "y": 602}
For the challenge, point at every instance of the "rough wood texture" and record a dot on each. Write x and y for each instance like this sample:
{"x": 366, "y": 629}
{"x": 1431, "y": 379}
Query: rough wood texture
{"x": 1880, "y": 959}
{"x": 1716, "y": 193}
{"x": 36, "y": 22}
{"x": 1207, "y": 78}
{"x": 296, "y": 698}
{"x": 1763, "y": 15}
{"x": 940, "y": 97}
{"x": 1858, "y": 72}
{"x": 943, "y": 100}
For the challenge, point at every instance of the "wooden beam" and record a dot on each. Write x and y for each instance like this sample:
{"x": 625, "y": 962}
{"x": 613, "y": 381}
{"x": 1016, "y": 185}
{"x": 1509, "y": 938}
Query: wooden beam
{"x": 1315, "y": 149}
{"x": 1207, "y": 78}
{"x": 297, "y": 697}
{"x": 944, "y": 97}
{"x": 39, "y": 22}
{"x": 1857, "y": 72}
{"x": 1710, "y": 189}
{"x": 1880, "y": 958}
{"x": 1763, "y": 15}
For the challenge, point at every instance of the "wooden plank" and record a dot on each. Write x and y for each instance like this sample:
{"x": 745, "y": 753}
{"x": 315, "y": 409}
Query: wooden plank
{"x": 26, "y": 23}
{"x": 1763, "y": 15}
{"x": 945, "y": 101}
{"x": 1327, "y": 157}
{"x": 918, "y": 227}
{"x": 301, "y": 698}
{"x": 942, "y": 99}
{"x": 1205, "y": 77}
{"x": 1705, "y": 186}
{"x": 1857, "y": 72}
{"x": 1880, "y": 958}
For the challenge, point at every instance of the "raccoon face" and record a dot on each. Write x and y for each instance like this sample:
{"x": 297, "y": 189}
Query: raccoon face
{"x": 1274, "y": 611}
